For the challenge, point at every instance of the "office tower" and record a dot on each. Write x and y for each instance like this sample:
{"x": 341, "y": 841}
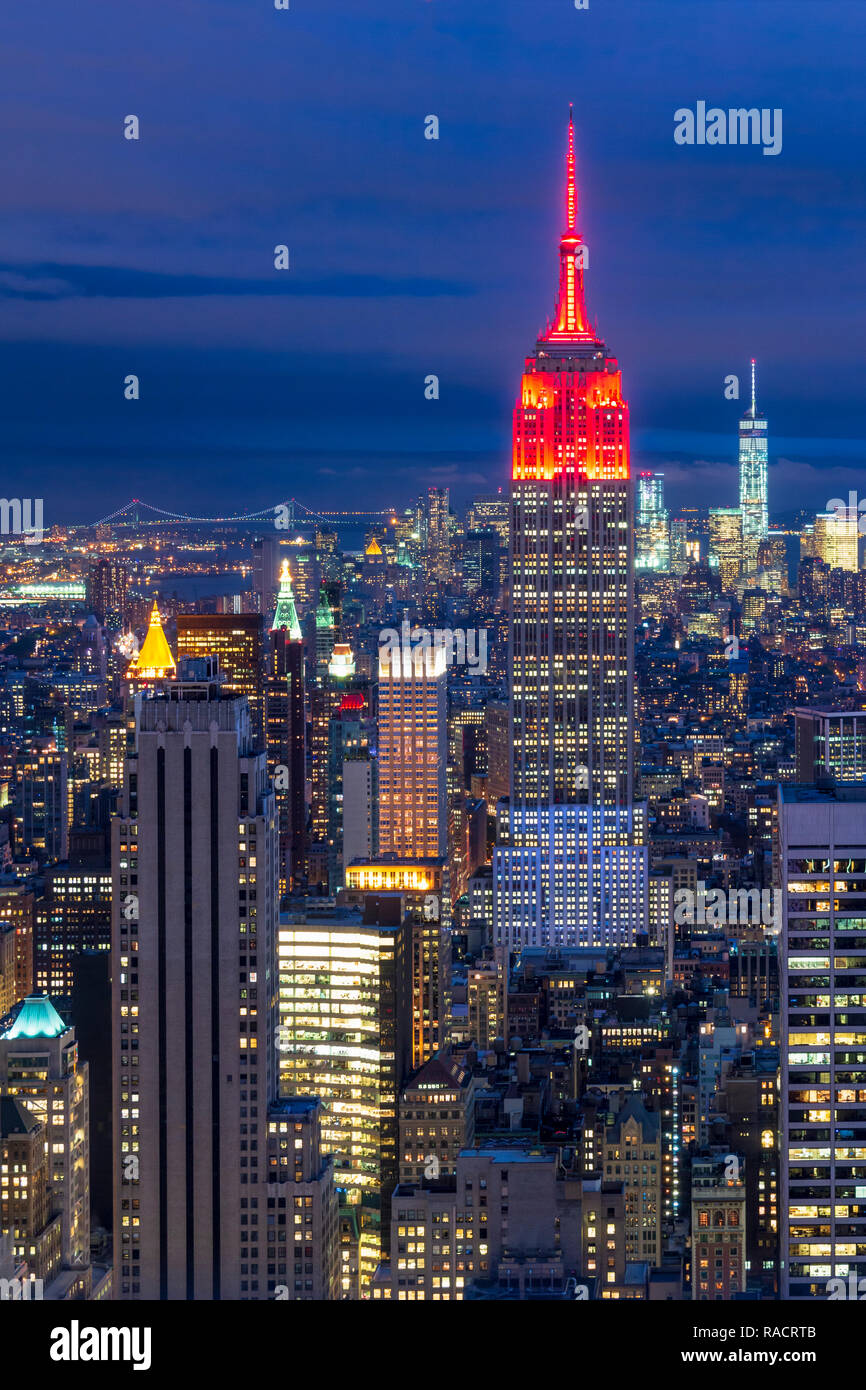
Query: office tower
{"x": 18, "y": 911}
{"x": 287, "y": 734}
{"x": 830, "y": 743}
{"x": 571, "y": 867}
{"x": 303, "y": 1215}
{"x": 326, "y": 636}
{"x": 679, "y": 558}
{"x": 481, "y": 564}
{"x": 726, "y": 545}
{"x": 718, "y": 1227}
{"x": 429, "y": 938}
{"x": 8, "y": 984}
{"x": 822, "y": 857}
{"x": 73, "y": 915}
{"x": 336, "y": 681}
{"x": 194, "y": 856}
{"x": 344, "y": 1037}
{"x": 836, "y": 539}
{"x": 423, "y": 888}
{"x": 437, "y": 569}
{"x": 437, "y": 1119}
{"x": 351, "y": 742}
{"x": 41, "y": 1068}
{"x": 753, "y": 481}
{"x": 497, "y": 736}
{"x": 237, "y": 640}
{"x": 112, "y": 732}
{"x": 26, "y": 1212}
{"x": 106, "y": 592}
{"x": 42, "y": 802}
{"x": 491, "y": 511}
{"x": 413, "y": 749}
{"x": 264, "y": 578}
{"x": 360, "y": 816}
{"x": 652, "y": 536}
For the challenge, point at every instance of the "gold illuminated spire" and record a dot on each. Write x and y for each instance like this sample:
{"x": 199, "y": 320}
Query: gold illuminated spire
{"x": 154, "y": 661}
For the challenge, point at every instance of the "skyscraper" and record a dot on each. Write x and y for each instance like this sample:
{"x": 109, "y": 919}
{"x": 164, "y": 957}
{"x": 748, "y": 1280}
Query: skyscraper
{"x": 195, "y": 880}
{"x": 652, "y": 534}
{"x": 237, "y": 640}
{"x": 573, "y": 869}
{"x": 413, "y": 750}
{"x": 822, "y": 850}
{"x": 837, "y": 539}
{"x": 345, "y": 1036}
{"x": 286, "y": 733}
{"x": 753, "y": 480}
{"x": 438, "y": 566}
{"x": 40, "y": 1066}
{"x": 726, "y": 545}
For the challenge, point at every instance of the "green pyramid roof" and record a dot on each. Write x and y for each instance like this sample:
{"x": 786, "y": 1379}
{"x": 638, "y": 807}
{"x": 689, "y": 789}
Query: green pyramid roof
{"x": 37, "y": 1018}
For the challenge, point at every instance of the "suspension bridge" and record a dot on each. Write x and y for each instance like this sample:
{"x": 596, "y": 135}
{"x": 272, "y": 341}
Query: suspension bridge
{"x": 288, "y": 514}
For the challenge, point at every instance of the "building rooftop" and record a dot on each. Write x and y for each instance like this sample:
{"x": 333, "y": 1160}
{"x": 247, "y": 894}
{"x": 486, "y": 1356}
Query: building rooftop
{"x": 793, "y": 793}
{"x": 37, "y": 1018}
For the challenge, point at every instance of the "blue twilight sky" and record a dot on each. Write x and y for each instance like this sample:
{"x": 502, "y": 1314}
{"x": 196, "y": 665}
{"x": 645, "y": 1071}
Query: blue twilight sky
{"x": 409, "y": 256}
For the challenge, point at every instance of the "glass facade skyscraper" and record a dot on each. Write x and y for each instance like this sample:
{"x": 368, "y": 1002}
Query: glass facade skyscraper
{"x": 753, "y": 480}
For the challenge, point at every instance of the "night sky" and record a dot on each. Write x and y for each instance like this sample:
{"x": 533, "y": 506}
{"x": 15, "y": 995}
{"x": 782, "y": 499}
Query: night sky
{"x": 410, "y": 256}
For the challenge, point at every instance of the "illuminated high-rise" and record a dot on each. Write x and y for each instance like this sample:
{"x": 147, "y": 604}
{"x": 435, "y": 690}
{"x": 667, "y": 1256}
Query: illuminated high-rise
{"x": 837, "y": 539}
{"x": 40, "y": 1066}
{"x": 726, "y": 545}
{"x": 652, "y": 531}
{"x": 572, "y": 868}
{"x": 237, "y": 640}
{"x": 285, "y": 721}
{"x": 344, "y": 1010}
{"x": 753, "y": 480}
{"x": 822, "y": 967}
{"x": 413, "y": 750}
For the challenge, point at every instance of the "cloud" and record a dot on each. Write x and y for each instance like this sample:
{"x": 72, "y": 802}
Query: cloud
{"x": 51, "y": 281}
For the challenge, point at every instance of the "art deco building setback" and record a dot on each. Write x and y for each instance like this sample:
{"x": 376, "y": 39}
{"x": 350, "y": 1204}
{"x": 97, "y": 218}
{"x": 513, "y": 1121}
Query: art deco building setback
{"x": 195, "y": 901}
{"x": 571, "y": 864}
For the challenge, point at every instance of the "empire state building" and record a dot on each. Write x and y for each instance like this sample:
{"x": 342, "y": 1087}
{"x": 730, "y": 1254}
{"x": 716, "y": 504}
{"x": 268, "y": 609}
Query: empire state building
{"x": 571, "y": 867}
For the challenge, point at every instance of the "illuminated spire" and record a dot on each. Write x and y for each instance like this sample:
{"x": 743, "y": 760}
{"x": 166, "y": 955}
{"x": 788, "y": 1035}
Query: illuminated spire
{"x": 570, "y": 320}
{"x": 570, "y": 189}
{"x": 154, "y": 661}
{"x": 753, "y": 389}
{"x": 286, "y": 615}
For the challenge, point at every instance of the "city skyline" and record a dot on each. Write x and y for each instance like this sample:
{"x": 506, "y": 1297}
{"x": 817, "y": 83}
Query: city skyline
{"x": 464, "y": 899}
